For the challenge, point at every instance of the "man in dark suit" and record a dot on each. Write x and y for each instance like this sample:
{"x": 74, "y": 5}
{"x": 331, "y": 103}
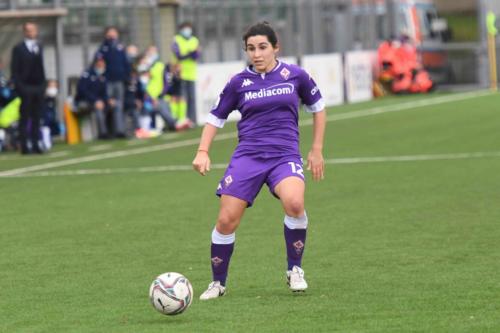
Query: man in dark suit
{"x": 28, "y": 76}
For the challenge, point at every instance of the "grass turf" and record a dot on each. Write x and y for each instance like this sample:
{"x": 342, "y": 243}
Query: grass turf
{"x": 392, "y": 247}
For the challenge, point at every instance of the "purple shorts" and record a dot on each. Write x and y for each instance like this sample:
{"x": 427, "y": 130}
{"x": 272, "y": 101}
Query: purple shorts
{"x": 246, "y": 174}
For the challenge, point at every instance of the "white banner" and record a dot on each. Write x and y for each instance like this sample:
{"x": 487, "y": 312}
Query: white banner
{"x": 288, "y": 60}
{"x": 358, "y": 76}
{"x": 212, "y": 78}
{"x": 326, "y": 70}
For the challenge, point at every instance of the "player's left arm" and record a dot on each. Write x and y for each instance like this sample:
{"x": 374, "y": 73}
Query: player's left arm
{"x": 314, "y": 103}
{"x": 315, "y": 161}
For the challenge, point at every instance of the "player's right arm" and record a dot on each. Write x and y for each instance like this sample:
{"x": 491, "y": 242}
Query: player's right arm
{"x": 225, "y": 104}
{"x": 201, "y": 162}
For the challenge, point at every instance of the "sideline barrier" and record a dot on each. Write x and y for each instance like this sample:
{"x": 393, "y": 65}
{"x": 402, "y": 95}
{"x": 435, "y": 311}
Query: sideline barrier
{"x": 340, "y": 80}
{"x": 212, "y": 78}
{"x": 358, "y": 71}
{"x": 71, "y": 122}
{"x": 326, "y": 70}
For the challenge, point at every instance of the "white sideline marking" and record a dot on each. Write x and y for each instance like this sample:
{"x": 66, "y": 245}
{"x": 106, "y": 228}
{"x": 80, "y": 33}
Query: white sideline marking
{"x": 349, "y": 160}
{"x": 401, "y": 106}
{"x": 412, "y": 158}
{"x": 230, "y": 135}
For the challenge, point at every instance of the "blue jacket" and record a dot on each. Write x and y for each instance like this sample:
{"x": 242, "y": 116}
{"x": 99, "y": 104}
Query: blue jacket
{"x": 117, "y": 64}
{"x": 7, "y": 93}
{"x": 134, "y": 91}
{"x": 49, "y": 115}
{"x": 91, "y": 87}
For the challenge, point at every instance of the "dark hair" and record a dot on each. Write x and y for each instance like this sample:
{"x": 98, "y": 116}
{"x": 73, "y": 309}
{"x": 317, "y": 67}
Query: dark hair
{"x": 97, "y": 59}
{"x": 25, "y": 24}
{"x": 261, "y": 29}
{"x": 185, "y": 24}
{"x": 110, "y": 27}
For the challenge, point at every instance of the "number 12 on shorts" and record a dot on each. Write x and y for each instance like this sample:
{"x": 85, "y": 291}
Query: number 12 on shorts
{"x": 297, "y": 168}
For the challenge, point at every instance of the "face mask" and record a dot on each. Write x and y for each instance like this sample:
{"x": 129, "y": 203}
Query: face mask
{"x": 5, "y": 93}
{"x": 144, "y": 80}
{"x": 186, "y": 32}
{"x": 142, "y": 67}
{"x": 52, "y": 91}
{"x": 99, "y": 71}
{"x": 131, "y": 56}
{"x": 153, "y": 58}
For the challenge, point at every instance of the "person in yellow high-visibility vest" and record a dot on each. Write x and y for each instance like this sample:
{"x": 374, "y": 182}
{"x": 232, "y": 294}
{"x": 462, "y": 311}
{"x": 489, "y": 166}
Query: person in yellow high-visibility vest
{"x": 155, "y": 84}
{"x": 186, "y": 52}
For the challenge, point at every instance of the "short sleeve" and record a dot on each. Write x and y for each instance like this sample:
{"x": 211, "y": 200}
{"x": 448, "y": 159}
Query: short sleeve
{"x": 225, "y": 104}
{"x": 309, "y": 93}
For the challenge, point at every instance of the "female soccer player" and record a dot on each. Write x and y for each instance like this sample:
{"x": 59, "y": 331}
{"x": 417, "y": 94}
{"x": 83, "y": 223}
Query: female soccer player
{"x": 267, "y": 94}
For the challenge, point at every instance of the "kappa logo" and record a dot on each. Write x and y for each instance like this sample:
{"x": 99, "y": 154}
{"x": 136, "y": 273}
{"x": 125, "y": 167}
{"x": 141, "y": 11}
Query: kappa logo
{"x": 285, "y": 73}
{"x": 246, "y": 83}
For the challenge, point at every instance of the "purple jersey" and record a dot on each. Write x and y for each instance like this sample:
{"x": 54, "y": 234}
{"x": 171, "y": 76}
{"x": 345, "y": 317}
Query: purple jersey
{"x": 269, "y": 105}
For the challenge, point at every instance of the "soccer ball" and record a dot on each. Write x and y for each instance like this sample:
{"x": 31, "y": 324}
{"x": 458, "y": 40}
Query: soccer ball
{"x": 171, "y": 293}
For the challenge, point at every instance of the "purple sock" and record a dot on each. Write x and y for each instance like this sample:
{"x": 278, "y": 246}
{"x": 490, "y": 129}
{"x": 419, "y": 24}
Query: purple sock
{"x": 221, "y": 254}
{"x": 295, "y": 240}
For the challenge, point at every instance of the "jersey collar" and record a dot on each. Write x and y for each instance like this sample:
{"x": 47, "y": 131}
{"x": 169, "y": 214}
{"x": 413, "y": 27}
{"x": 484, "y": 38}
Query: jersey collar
{"x": 252, "y": 71}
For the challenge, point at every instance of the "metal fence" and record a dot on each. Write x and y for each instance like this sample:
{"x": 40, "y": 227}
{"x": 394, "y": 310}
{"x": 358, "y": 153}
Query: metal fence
{"x": 304, "y": 27}
{"x": 325, "y": 26}
{"x": 316, "y": 26}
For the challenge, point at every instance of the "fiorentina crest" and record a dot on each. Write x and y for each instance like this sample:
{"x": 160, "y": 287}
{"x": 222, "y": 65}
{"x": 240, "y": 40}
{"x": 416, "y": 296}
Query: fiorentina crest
{"x": 285, "y": 73}
{"x": 299, "y": 246}
{"x": 217, "y": 261}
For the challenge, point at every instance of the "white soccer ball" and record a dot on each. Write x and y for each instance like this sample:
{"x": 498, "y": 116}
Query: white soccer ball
{"x": 171, "y": 293}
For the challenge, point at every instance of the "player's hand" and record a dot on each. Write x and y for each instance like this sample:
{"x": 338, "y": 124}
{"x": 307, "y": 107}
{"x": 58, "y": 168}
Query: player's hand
{"x": 201, "y": 162}
{"x": 316, "y": 164}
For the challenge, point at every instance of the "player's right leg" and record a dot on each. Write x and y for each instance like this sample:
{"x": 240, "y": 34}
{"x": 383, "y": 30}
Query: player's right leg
{"x": 223, "y": 238}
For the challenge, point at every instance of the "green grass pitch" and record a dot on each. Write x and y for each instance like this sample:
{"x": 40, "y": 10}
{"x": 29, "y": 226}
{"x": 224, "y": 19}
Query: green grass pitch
{"x": 407, "y": 241}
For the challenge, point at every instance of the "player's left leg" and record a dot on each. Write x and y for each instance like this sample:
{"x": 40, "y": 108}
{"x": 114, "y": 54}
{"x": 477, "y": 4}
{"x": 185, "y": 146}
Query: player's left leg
{"x": 290, "y": 191}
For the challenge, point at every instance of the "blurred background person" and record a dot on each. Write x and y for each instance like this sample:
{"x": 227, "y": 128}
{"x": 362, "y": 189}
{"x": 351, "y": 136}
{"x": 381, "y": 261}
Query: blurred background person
{"x": 7, "y": 93}
{"x": 174, "y": 93}
{"x": 117, "y": 75}
{"x": 50, "y": 125}
{"x": 155, "y": 84}
{"x": 132, "y": 54}
{"x": 132, "y": 103}
{"x": 92, "y": 97}
{"x": 28, "y": 76}
{"x": 9, "y": 112}
{"x": 186, "y": 52}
